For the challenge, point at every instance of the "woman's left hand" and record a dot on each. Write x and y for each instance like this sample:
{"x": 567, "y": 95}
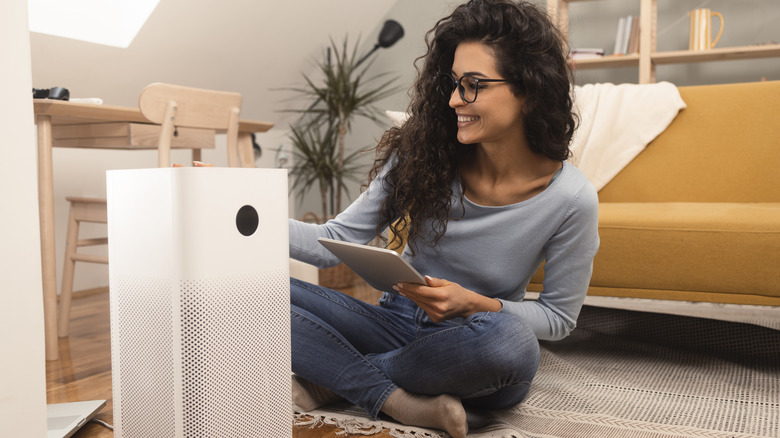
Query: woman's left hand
{"x": 443, "y": 300}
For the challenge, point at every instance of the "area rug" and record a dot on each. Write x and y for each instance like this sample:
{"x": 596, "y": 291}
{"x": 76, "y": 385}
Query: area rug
{"x": 629, "y": 374}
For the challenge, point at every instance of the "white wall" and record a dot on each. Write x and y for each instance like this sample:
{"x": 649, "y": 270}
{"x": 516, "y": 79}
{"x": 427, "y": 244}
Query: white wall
{"x": 22, "y": 368}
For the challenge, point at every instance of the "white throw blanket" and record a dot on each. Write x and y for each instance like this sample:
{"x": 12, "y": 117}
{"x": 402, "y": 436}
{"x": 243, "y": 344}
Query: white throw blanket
{"x": 617, "y": 122}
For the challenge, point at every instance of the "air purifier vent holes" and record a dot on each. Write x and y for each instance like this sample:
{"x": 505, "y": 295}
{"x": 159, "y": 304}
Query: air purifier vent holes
{"x": 147, "y": 386}
{"x": 230, "y": 327}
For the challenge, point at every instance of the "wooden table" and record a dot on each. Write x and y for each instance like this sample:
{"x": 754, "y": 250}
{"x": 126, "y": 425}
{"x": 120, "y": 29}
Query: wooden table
{"x": 104, "y": 127}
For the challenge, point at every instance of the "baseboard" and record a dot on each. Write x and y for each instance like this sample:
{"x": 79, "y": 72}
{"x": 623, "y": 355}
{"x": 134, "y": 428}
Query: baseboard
{"x": 765, "y": 316}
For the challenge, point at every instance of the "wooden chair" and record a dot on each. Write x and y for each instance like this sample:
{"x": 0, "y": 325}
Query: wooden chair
{"x": 172, "y": 107}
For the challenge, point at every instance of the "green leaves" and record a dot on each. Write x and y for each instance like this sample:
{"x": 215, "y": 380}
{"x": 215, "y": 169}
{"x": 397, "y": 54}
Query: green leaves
{"x": 344, "y": 92}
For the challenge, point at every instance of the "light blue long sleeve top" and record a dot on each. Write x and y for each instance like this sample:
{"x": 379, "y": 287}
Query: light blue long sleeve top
{"x": 493, "y": 251}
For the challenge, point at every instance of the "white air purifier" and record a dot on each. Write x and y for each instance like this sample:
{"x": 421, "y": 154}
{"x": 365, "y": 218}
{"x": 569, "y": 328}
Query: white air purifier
{"x": 199, "y": 285}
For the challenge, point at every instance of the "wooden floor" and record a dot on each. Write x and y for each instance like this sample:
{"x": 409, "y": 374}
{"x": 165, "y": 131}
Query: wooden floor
{"x": 83, "y": 371}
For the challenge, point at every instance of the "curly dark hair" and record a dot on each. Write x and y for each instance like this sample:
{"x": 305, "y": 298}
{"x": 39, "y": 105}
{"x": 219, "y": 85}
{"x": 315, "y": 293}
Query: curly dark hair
{"x": 425, "y": 155}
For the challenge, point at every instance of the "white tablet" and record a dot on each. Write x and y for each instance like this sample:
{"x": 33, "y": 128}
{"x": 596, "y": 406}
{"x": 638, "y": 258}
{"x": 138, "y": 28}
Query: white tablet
{"x": 381, "y": 268}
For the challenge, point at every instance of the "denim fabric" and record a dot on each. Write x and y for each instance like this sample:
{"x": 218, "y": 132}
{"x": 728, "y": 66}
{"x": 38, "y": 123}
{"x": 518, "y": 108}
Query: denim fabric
{"x": 364, "y": 352}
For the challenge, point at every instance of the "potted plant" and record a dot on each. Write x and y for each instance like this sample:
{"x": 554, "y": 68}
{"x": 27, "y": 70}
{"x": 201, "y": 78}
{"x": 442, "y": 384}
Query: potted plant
{"x": 344, "y": 92}
{"x": 320, "y": 159}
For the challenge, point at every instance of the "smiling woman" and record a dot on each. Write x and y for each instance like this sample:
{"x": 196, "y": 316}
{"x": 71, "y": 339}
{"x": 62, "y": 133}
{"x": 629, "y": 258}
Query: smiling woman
{"x": 114, "y": 23}
{"x": 474, "y": 181}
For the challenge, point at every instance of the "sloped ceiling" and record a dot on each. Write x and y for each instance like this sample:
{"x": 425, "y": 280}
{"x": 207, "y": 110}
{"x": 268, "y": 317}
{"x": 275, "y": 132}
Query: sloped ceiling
{"x": 248, "y": 46}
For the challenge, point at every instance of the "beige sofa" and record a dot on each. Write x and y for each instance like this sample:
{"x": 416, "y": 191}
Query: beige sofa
{"x": 696, "y": 216}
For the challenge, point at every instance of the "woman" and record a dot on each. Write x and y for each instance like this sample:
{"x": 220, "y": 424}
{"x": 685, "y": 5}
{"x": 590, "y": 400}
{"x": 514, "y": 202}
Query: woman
{"x": 476, "y": 180}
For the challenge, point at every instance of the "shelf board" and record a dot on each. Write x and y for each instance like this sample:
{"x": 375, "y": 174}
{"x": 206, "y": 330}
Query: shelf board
{"x": 717, "y": 54}
{"x": 609, "y": 61}
{"x": 682, "y": 57}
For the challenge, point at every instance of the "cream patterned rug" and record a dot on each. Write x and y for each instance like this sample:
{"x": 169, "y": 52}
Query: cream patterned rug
{"x": 630, "y": 374}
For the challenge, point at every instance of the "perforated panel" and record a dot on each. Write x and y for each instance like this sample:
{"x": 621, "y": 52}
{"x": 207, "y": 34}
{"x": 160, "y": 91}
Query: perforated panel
{"x": 236, "y": 356}
{"x": 142, "y": 360}
{"x": 234, "y": 363}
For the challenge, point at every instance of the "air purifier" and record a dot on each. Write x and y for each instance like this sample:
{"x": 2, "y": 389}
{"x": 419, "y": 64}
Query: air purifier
{"x": 199, "y": 287}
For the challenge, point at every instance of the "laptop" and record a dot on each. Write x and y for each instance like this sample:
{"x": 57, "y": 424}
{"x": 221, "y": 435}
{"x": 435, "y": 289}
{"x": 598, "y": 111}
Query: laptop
{"x": 65, "y": 419}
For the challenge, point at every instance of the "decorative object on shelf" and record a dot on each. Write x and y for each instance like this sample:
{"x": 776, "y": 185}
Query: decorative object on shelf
{"x": 700, "y": 34}
{"x": 586, "y": 53}
{"x": 346, "y": 92}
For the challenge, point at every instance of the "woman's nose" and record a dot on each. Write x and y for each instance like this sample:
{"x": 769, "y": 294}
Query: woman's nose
{"x": 455, "y": 99}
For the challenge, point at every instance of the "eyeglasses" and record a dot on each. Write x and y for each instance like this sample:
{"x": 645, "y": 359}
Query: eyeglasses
{"x": 467, "y": 86}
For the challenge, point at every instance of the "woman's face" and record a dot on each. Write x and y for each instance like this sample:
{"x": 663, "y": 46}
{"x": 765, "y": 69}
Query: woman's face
{"x": 496, "y": 115}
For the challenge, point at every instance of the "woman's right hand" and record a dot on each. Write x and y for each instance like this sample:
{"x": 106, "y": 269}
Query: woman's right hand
{"x": 195, "y": 164}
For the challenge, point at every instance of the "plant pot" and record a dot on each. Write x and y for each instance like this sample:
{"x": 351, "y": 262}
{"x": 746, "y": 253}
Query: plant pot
{"x": 337, "y": 277}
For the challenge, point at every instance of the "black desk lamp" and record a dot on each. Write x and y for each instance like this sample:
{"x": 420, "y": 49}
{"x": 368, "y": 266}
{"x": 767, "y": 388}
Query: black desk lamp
{"x": 391, "y": 32}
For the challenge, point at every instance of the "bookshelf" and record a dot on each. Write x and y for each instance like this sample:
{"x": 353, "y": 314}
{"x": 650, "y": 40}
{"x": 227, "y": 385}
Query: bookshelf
{"x": 647, "y": 58}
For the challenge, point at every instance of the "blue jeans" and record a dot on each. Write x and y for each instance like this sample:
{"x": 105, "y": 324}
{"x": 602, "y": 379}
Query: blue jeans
{"x": 364, "y": 352}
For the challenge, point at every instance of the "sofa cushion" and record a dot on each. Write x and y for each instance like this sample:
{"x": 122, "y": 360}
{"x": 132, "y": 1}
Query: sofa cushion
{"x": 708, "y": 247}
{"x": 690, "y": 251}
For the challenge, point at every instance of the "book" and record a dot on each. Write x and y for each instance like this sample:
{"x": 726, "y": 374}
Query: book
{"x": 633, "y": 40}
{"x": 627, "y": 35}
{"x": 619, "y": 36}
{"x": 629, "y": 21}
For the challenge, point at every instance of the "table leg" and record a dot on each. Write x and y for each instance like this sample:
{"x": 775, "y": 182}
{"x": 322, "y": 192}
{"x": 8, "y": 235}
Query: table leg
{"x": 48, "y": 256}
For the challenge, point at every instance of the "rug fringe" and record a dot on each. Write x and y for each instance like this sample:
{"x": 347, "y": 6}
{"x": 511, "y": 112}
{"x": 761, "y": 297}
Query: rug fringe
{"x": 354, "y": 426}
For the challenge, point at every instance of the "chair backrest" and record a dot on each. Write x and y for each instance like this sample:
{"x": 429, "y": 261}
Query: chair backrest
{"x": 177, "y": 106}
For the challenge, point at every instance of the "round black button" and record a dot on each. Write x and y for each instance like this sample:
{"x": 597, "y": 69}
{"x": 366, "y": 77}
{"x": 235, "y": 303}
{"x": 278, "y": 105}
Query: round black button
{"x": 247, "y": 220}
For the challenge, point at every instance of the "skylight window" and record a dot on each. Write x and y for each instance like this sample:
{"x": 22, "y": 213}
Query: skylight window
{"x": 108, "y": 22}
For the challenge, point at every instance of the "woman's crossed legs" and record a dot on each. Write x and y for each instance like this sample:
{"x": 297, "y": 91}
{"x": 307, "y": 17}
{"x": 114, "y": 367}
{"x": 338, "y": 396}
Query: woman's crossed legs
{"x": 364, "y": 353}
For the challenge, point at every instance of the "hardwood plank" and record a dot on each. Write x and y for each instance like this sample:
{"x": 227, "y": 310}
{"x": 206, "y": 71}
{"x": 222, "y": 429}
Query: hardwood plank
{"x": 83, "y": 370}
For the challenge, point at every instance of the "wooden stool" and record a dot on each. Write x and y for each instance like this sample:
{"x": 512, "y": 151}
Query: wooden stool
{"x": 81, "y": 210}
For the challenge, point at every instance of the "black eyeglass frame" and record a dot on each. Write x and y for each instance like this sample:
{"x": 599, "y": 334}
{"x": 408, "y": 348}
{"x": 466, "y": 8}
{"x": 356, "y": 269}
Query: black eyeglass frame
{"x": 457, "y": 84}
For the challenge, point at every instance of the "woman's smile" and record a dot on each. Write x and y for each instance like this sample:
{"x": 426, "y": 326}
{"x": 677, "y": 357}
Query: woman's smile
{"x": 465, "y": 120}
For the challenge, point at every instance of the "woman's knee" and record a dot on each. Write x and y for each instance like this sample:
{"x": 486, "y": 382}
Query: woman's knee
{"x": 514, "y": 349}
